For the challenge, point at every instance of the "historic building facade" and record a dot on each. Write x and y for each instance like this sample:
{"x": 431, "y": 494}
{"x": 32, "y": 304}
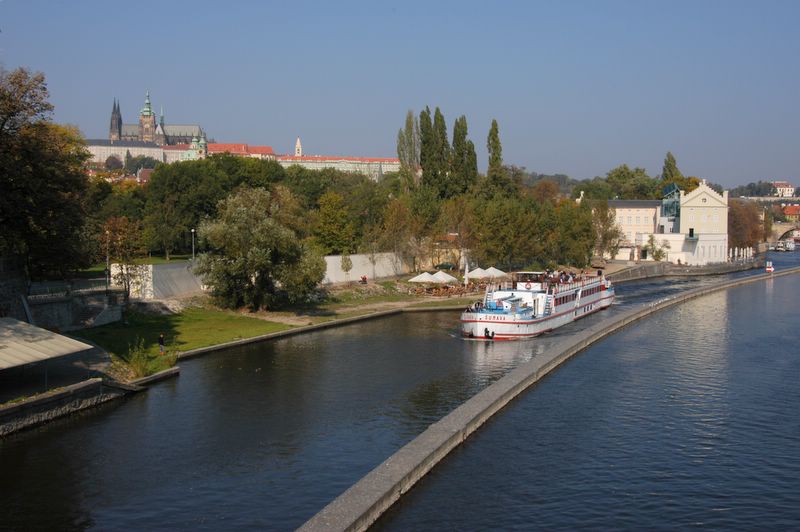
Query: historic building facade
{"x": 150, "y": 130}
{"x": 690, "y": 228}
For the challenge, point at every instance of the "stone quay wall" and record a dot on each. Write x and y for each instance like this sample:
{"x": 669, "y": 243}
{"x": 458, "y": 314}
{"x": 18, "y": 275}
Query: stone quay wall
{"x": 363, "y": 503}
{"x": 54, "y": 404}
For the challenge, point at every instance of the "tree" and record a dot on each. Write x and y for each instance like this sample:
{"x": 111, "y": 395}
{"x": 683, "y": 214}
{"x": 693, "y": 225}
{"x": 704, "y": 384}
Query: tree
{"x": 334, "y": 231}
{"x": 113, "y": 163}
{"x": 670, "y": 172}
{"x": 42, "y": 180}
{"x": 495, "y": 170}
{"x": 744, "y": 224}
{"x": 498, "y": 180}
{"x": 347, "y": 265}
{"x": 627, "y": 183}
{"x": 123, "y": 244}
{"x": 657, "y": 251}
{"x": 408, "y": 151}
{"x": 254, "y": 260}
{"x": 608, "y": 235}
{"x": 464, "y": 163}
{"x": 427, "y": 146}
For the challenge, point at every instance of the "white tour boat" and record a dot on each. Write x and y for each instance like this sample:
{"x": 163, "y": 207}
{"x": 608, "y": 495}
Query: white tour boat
{"x": 533, "y": 303}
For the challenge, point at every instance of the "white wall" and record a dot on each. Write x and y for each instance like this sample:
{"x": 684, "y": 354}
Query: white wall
{"x": 386, "y": 265}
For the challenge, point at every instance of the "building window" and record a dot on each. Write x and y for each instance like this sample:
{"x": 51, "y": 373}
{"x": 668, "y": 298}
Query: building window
{"x": 630, "y": 220}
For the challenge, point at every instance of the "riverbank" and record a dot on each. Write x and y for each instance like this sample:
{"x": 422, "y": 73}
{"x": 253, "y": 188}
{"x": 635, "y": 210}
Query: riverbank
{"x": 362, "y": 504}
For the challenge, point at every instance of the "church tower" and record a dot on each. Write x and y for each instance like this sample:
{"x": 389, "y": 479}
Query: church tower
{"x": 115, "y": 130}
{"x": 298, "y": 148}
{"x": 147, "y": 121}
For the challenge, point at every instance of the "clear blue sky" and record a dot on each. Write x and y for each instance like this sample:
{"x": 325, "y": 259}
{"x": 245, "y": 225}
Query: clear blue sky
{"x": 577, "y": 87}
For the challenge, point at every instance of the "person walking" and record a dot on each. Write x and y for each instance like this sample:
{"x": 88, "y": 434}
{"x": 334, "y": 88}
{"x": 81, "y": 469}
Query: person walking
{"x": 161, "y": 343}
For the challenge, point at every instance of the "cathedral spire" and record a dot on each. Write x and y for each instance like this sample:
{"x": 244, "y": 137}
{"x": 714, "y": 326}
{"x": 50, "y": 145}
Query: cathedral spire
{"x": 298, "y": 148}
{"x": 161, "y": 119}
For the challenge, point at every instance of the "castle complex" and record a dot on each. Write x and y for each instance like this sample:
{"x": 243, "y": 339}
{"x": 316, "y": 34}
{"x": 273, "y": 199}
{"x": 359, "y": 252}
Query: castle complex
{"x": 175, "y": 143}
{"x": 147, "y": 130}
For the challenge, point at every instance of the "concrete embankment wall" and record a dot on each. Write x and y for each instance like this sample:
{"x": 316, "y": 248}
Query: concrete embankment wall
{"x": 54, "y": 404}
{"x": 362, "y": 504}
{"x": 35, "y": 411}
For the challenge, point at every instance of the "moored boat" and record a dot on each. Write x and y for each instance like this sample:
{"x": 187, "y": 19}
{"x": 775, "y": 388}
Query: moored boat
{"x": 533, "y": 303}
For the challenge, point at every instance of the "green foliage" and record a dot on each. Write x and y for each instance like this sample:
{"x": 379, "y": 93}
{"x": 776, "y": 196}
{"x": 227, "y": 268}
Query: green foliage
{"x": 657, "y": 251}
{"x": 42, "y": 180}
{"x": 464, "y": 165}
{"x": 628, "y": 183}
{"x": 670, "y": 172}
{"x": 253, "y": 259}
{"x": 408, "y": 151}
{"x": 608, "y": 235}
{"x": 113, "y": 163}
{"x": 335, "y": 230}
{"x": 142, "y": 361}
{"x": 495, "y": 171}
{"x": 134, "y": 164}
{"x": 759, "y": 189}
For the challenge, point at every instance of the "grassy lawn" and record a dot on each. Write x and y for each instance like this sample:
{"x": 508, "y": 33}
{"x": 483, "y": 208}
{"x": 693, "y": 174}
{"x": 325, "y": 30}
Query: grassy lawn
{"x": 192, "y": 328}
{"x": 455, "y": 301}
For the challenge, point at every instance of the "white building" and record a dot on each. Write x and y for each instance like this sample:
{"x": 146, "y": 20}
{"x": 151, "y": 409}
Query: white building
{"x": 783, "y": 189}
{"x": 690, "y": 228}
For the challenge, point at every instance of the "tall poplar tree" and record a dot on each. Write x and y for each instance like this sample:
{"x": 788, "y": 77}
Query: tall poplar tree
{"x": 670, "y": 172}
{"x": 408, "y": 149}
{"x": 495, "y": 170}
{"x": 464, "y": 163}
{"x": 426, "y": 144}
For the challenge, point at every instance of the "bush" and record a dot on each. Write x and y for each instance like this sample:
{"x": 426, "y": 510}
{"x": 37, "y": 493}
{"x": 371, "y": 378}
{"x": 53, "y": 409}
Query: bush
{"x": 141, "y": 362}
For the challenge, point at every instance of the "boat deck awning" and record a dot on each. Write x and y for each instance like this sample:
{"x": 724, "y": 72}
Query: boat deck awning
{"x": 22, "y": 343}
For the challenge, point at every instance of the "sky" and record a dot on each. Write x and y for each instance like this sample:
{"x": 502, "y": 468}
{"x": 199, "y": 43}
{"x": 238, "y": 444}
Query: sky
{"x": 577, "y": 87}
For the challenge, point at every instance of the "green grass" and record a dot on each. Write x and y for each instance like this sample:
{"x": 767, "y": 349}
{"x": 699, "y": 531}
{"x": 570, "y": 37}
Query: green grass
{"x": 456, "y": 301}
{"x": 192, "y": 328}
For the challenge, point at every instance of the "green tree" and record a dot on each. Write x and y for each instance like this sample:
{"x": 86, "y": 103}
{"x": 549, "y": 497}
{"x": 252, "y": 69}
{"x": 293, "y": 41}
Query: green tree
{"x": 608, "y": 235}
{"x": 252, "y": 259}
{"x": 628, "y": 183}
{"x": 657, "y": 251}
{"x": 42, "y": 179}
{"x": 113, "y": 163}
{"x": 347, "y": 265}
{"x": 497, "y": 178}
{"x": 335, "y": 231}
{"x": 408, "y": 151}
{"x": 670, "y": 172}
{"x": 123, "y": 244}
{"x": 464, "y": 165}
{"x": 427, "y": 146}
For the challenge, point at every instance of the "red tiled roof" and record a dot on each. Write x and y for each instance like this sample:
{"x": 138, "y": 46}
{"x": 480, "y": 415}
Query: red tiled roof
{"x": 792, "y": 210}
{"x": 240, "y": 149}
{"x": 325, "y": 158}
{"x": 782, "y": 184}
{"x": 262, "y": 150}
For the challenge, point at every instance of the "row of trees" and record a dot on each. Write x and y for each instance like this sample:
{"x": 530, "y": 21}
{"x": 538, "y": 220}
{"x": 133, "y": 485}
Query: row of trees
{"x": 264, "y": 227}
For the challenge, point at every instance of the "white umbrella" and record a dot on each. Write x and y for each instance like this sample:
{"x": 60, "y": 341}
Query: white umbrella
{"x": 478, "y": 273}
{"x": 423, "y": 278}
{"x": 445, "y": 278}
{"x": 494, "y": 272}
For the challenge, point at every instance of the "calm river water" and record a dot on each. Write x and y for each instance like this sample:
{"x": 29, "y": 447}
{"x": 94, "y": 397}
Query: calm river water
{"x": 690, "y": 419}
{"x": 264, "y": 436}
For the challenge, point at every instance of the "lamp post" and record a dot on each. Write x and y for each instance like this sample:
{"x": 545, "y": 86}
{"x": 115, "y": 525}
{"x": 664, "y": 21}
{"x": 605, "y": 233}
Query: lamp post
{"x": 192, "y": 244}
{"x": 108, "y": 260}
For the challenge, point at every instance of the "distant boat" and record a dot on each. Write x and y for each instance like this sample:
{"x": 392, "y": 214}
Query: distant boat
{"x": 533, "y": 303}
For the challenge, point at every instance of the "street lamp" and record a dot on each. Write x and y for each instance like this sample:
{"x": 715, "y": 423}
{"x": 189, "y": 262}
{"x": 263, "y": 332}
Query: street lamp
{"x": 108, "y": 260}
{"x": 192, "y": 244}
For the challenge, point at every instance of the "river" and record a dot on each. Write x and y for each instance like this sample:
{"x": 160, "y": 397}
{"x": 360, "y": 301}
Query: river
{"x": 263, "y": 436}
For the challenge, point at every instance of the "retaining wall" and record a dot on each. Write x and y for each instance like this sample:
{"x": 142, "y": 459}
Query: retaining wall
{"x": 54, "y": 404}
{"x": 362, "y": 504}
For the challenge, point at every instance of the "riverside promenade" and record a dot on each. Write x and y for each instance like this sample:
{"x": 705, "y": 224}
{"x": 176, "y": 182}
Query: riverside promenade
{"x": 362, "y": 504}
